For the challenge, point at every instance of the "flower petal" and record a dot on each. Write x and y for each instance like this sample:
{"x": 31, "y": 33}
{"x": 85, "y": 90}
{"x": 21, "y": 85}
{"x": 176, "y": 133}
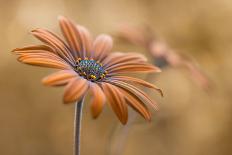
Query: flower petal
{"x": 119, "y": 57}
{"x": 86, "y": 42}
{"x": 137, "y": 81}
{"x": 71, "y": 34}
{"x": 116, "y": 101}
{"x": 59, "y": 78}
{"x": 55, "y": 42}
{"x": 34, "y": 49}
{"x": 131, "y": 67}
{"x": 102, "y": 46}
{"x": 139, "y": 93}
{"x": 44, "y": 59}
{"x": 97, "y": 101}
{"x": 75, "y": 89}
{"x": 136, "y": 103}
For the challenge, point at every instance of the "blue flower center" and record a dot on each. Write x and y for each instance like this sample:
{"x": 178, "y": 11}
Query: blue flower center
{"x": 90, "y": 69}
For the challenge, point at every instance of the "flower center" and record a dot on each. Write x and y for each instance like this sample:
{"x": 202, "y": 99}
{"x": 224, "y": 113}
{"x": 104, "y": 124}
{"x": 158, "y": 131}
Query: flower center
{"x": 90, "y": 69}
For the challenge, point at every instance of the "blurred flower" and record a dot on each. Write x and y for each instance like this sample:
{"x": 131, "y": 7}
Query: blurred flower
{"x": 86, "y": 65}
{"x": 163, "y": 55}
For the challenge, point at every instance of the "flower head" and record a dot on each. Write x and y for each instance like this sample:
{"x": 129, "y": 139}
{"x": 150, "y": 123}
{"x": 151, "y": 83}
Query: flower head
{"x": 87, "y": 65}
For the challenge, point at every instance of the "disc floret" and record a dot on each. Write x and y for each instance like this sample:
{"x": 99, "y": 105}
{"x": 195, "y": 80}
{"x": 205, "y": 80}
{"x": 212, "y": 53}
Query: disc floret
{"x": 90, "y": 69}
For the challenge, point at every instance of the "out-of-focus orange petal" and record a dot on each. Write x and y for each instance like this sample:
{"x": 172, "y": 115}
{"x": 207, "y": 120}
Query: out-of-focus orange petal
{"x": 116, "y": 101}
{"x": 75, "y": 89}
{"x": 59, "y": 78}
{"x": 102, "y": 46}
{"x": 138, "y": 81}
{"x": 98, "y": 100}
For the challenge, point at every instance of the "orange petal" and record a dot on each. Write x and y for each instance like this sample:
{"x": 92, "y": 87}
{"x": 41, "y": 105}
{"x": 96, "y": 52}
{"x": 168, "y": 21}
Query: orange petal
{"x": 119, "y": 57}
{"x": 138, "y": 81}
{"x": 44, "y": 60}
{"x": 102, "y": 46}
{"x": 86, "y": 41}
{"x": 43, "y": 54}
{"x": 71, "y": 34}
{"x": 75, "y": 89}
{"x": 136, "y": 103}
{"x": 139, "y": 93}
{"x": 132, "y": 67}
{"x": 97, "y": 101}
{"x": 59, "y": 78}
{"x": 116, "y": 101}
{"x": 34, "y": 49}
{"x": 55, "y": 42}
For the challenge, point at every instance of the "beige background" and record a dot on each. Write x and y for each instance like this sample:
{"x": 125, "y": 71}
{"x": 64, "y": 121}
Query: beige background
{"x": 33, "y": 120}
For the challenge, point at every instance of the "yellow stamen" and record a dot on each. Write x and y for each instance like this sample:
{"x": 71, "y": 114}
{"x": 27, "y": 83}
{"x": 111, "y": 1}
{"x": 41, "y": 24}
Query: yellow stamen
{"x": 93, "y": 77}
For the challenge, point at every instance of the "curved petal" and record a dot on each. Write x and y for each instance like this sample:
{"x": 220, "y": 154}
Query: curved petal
{"x": 137, "y": 81}
{"x": 131, "y": 67}
{"x": 59, "y": 78}
{"x": 102, "y": 46}
{"x": 116, "y": 101}
{"x": 44, "y": 60}
{"x": 55, "y": 42}
{"x": 119, "y": 57}
{"x": 75, "y": 89}
{"x": 128, "y": 87}
{"x": 86, "y": 42}
{"x": 97, "y": 101}
{"x": 34, "y": 49}
{"x": 71, "y": 34}
{"x": 136, "y": 103}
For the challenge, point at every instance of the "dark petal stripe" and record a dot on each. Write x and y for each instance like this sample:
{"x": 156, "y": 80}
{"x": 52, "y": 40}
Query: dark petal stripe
{"x": 137, "y": 81}
{"x": 55, "y": 42}
{"x": 116, "y": 101}
{"x": 143, "y": 96}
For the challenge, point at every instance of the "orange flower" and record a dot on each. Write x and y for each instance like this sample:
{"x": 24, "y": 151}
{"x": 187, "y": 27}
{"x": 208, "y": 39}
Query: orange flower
{"x": 87, "y": 65}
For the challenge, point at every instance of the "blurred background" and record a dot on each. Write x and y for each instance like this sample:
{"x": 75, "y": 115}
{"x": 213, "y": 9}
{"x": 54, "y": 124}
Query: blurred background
{"x": 34, "y": 121}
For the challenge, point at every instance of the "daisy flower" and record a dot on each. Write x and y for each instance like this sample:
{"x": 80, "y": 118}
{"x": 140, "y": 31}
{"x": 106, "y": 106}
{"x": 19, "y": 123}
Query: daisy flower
{"x": 86, "y": 65}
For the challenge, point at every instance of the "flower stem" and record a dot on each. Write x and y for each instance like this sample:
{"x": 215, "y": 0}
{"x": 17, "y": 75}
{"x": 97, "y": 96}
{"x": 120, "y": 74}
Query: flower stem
{"x": 77, "y": 126}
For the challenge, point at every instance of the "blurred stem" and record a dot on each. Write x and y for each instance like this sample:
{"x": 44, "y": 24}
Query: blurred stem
{"x": 77, "y": 126}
